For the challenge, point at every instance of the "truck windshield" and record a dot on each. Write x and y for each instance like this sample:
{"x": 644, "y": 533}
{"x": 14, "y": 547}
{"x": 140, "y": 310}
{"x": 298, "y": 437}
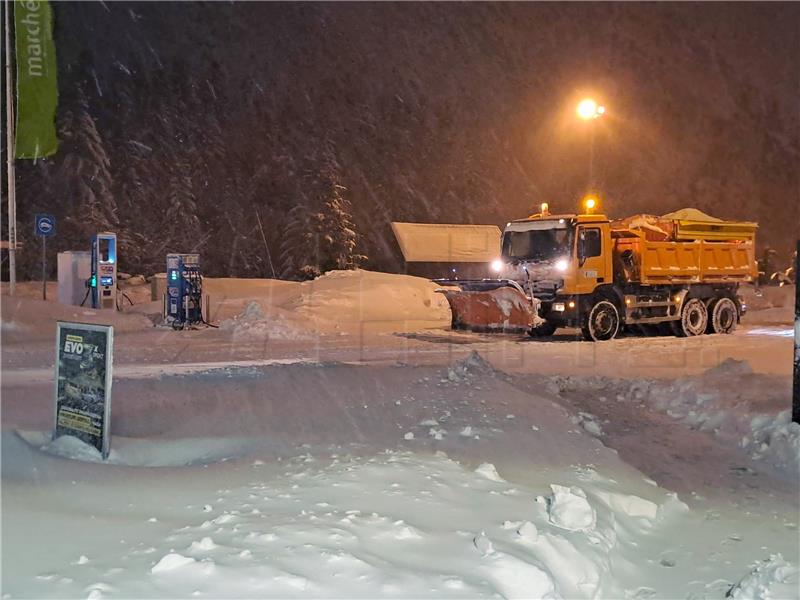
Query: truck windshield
{"x": 537, "y": 244}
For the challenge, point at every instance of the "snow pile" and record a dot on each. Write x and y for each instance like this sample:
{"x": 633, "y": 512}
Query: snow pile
{"x": 730, "y": 401}
{"x": 589, "y": 423}
{"x": 724, "y": 400}
{"x": 770, "y": 305}
{"x": 472, "y": 367}
{"x": 144, "y": 452}
{"x": 775, "y": 438}
{"x": 397, "y": 524}
{"x": 569, "y": 509}
{"x": 252, "y": 322}
{"x": 370, "y": 298}
{"x": 354, "y": 302}
{"x": 771, "y": 578}
{"x": 171, "y": 562}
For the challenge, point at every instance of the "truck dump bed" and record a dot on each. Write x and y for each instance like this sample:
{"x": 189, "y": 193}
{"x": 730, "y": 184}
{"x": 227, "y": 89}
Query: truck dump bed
{"x": 658, "y": 251}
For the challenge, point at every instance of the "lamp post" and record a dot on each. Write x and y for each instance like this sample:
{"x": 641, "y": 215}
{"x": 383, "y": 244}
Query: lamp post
{"x": 589, "y": 110}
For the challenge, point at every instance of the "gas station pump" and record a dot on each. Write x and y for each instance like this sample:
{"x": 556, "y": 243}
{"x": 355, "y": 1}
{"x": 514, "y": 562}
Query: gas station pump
{"x": 103, "y": 282}
{"x": 183, "y": 304}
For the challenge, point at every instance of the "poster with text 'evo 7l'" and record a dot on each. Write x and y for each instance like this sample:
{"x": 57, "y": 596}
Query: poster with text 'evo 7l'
{"x": 83, "y": 383}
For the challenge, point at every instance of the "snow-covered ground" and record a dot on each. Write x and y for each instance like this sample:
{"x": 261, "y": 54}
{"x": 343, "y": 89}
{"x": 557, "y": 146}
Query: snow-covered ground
{"x": 334, "y": 439}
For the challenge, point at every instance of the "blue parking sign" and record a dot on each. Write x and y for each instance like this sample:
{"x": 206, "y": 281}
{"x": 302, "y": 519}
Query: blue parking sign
{"x": 44, "y": 225}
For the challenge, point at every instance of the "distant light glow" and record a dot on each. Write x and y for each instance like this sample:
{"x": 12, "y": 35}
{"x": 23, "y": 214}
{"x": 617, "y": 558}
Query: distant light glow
{"x": 589, "y": 109}
{"x": 589, "y": 204}
{"x": 497, "y": 265}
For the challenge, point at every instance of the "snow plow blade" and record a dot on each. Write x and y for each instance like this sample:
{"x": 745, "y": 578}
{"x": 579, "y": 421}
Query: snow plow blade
{"x": 490, "y": 305}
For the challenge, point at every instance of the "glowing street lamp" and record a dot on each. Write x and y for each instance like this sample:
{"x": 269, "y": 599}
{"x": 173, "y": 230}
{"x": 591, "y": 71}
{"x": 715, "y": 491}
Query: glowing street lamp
{"x": 589, "y": 109}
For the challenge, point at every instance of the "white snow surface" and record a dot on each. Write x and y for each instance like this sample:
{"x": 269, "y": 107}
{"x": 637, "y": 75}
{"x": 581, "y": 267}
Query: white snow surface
{"x": 770, "y": 579}
{"x": 569, "y": 509}
{"x": 397, "y": 524}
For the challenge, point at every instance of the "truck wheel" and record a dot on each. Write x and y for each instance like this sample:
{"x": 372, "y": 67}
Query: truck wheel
{"x": 723, "y": 316}
{"x": 694, "y": 319}
{"x": 545, "y": 330}
{"x": 602, "y": 323}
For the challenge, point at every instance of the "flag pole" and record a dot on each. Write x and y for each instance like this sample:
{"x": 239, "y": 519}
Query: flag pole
{"x": 12, "y": 197}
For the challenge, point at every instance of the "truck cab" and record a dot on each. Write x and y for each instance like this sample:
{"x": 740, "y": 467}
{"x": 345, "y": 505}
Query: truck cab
{"x": 557, "y": 259}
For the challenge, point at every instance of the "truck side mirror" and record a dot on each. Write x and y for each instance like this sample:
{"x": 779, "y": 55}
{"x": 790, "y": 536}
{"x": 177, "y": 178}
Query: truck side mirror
{"x": 581, "y": 247}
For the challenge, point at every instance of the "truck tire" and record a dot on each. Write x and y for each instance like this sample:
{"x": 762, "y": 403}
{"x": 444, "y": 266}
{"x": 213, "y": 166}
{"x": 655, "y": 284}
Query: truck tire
{"x": 724, "y": 316}
{"x": 694, "y": 319}
{"x": 545, "y": 330}
{"x": 602, "y": 323}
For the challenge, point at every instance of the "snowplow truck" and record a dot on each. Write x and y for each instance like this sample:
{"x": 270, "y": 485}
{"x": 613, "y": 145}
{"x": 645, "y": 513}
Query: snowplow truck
{"x": 676, "y": 274}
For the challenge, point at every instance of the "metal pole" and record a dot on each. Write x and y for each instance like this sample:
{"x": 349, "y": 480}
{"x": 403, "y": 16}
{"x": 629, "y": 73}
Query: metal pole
{"x": 44, "y": 267}
{"x": 266, "y": 247}
{"x": 12, "y": 198}
{"x": 796, "y": 385}
{"x": 591, "y": 155}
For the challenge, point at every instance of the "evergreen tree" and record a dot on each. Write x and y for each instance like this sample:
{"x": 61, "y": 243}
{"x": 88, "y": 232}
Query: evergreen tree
{"x": 316, "y": 241}
{"x": 336, "y": 229}
{"x": 84, "y": 175}
{"x": 298, "y": 255}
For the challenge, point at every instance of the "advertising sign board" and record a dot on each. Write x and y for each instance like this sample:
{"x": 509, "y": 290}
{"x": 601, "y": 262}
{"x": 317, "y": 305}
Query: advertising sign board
{"x": 83, "y": 383}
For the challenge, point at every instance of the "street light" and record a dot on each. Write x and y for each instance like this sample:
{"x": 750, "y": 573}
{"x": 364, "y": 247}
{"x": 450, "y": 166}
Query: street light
{"x": 589, "y": 110}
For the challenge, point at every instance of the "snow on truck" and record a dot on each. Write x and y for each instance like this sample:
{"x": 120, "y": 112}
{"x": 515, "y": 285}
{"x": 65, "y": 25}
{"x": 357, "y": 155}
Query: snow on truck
{"x": 678, "y": 273}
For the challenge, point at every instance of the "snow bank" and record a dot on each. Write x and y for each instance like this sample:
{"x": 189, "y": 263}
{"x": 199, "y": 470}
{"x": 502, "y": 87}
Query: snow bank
{"x": 770, "y": 579}
{"x": 336, "y": 302}
{"x": 469, "y": 368}
{"x": 768, "y": 305}
{"x": 569, "y": 509}
{"x": 368, "y": 297}
{"x": 749, "y": 410}
{"x": 253, "y": 322}
{"x": 144, "y": 452}
{"x": 730, "y": 401}
{"x": 396, "y": 524}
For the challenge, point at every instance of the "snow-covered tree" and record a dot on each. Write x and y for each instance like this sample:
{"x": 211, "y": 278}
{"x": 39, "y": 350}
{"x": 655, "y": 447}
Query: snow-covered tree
{"x": 298, "y": 256}
{"x": 84, "y": 175}
{"x": 334, "y": 225}
{"x": 322, "y": 238}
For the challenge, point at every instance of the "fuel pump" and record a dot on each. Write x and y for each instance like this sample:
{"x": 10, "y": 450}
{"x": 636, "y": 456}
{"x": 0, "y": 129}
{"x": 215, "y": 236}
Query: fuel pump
{"x": 183, "y": 304}
{"x": 103, "y": 282}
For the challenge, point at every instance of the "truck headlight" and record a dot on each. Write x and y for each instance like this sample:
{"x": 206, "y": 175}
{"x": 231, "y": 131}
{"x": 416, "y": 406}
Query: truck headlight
{"x": 562, "y": 264}
{"x": 497, "y": 265}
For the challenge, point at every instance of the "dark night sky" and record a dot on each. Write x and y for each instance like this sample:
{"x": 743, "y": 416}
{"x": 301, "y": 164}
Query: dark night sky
{"x": 442, "y": 112}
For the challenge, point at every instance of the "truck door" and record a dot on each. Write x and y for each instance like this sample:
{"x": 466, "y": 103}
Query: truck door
{"x": 592, "y": 269}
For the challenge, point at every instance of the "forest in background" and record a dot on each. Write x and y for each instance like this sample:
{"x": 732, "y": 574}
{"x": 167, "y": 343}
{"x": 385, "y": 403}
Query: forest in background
{"x": 283, "y": 139}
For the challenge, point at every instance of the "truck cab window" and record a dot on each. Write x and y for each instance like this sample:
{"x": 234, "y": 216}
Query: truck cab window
{"x": 590, "y": 242}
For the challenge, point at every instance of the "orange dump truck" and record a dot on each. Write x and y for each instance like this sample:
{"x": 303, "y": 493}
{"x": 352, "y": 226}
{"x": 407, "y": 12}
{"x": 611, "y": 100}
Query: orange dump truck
{"x": 678, "y": 273}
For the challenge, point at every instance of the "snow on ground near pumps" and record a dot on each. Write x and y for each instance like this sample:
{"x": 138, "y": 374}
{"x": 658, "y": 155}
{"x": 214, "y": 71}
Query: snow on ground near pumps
{"x": 352, "y": 301}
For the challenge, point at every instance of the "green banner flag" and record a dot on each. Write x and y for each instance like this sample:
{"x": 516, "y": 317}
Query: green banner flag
{"x": 37, "y": 88}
